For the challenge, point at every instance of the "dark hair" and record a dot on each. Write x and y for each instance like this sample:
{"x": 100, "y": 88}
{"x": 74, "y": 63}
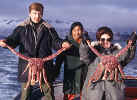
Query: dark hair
{"x": 73, "y": 25}
{"x": 104, "y": 30}
{"x": 36, "y": 6}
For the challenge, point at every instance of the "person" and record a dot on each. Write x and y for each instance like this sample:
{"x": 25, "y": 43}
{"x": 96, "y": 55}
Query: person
{"x": 35, "y": 38}
{"x": 103, "y": 88}
{"x": 74, "y": 69}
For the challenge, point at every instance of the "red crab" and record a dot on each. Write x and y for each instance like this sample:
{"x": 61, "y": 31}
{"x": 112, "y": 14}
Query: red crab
{"x": 109, "y": 64}
{"x": 35, "y": 67}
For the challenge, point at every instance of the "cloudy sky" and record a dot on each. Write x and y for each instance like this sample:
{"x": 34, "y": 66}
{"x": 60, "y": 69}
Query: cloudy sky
{"x": 120, "y": 15}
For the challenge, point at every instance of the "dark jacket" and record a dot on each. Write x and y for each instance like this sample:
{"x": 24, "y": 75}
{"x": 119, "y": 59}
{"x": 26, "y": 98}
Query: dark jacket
{"x": 74, "y": 69}
{"x": 34, "y": 40}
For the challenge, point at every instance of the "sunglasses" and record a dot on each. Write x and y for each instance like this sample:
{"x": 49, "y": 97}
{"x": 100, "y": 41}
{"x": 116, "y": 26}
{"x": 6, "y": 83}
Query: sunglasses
{"x": 103, "y": 39}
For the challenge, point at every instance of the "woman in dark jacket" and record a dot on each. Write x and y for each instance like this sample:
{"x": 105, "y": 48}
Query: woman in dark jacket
{"x": 104, "y": 88}
{"x": 74, "y": 69}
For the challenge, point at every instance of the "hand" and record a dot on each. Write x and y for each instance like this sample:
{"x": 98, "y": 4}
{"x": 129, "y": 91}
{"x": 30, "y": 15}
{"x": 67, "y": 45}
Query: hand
{"x": 2, "y": 43}
{"x": 66, "y": 45}
{"x": 132, "y": 37}
{"x": 94, "y": 43}
{"x": 130, "y": 42}
{"x": 88, "y": 42}
{"x": 85, "y": 36}
{"x": 118, "y": 46}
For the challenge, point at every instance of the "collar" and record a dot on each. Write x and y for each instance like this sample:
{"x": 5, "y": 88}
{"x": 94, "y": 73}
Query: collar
{"x": 72, "y": 41}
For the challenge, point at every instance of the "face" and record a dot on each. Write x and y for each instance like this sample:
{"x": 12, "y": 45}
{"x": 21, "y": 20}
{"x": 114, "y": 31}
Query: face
{"x": 105, "y": 41}
{"x": 35, "y": 16}
{"x": 76, "y": 34}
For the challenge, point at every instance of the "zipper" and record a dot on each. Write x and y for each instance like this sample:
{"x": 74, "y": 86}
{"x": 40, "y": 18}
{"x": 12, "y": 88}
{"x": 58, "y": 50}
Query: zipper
{"x": 34, "y": 33}
{"x": 35, "y": 38}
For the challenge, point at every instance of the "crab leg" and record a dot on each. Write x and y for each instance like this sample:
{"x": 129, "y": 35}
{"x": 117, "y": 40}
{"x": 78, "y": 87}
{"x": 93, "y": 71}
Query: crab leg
{"x": 40, "y": 80}
{"x": 54, "y": 55}
{"x": 45, "y": 77}
{"x": 18, "y": 54}
{"x": 29, "y": 79}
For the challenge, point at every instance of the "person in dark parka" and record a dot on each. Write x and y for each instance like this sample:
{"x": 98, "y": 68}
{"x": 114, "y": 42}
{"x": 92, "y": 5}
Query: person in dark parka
{"x": 104, "y": 89}
{"x": 74, "y": 69}
{"x": 35, "y": 38}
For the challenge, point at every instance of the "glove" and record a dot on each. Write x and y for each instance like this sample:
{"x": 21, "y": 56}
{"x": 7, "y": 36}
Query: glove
{"x": 94, "y": 43}
{"x": 132, "y": 37}
{"x": 85, "y": 36}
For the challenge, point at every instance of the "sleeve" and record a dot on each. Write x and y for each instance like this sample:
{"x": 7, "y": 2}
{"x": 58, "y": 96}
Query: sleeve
{"x": 56, "y": 41}
{"x": 13, "y": 40}
{"x": 86, "y": 55}
{"x": 127, "y": 56}
{"x": 58, "y": 62}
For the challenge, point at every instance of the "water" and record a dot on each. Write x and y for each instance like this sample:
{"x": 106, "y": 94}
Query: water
{"x": 10, "y": 87}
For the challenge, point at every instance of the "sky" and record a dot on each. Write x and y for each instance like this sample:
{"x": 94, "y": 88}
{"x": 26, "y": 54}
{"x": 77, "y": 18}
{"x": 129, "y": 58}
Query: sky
{"x": 120, "y": 15}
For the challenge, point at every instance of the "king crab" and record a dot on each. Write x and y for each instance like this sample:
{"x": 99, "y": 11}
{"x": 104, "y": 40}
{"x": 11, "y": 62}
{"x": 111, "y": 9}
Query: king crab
{"x": 109, "y": 64}
{"x": 35, "y": 67}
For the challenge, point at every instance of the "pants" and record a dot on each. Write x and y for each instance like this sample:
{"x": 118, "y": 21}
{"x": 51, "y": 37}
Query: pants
{"x": 34, "y": 92}
{"x": 104, "y": 90}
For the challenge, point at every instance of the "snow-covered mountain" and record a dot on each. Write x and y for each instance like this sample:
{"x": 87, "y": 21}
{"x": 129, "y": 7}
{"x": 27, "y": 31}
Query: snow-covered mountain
{"x": 7, "y": 26}
{"x": 61, "y": 26}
